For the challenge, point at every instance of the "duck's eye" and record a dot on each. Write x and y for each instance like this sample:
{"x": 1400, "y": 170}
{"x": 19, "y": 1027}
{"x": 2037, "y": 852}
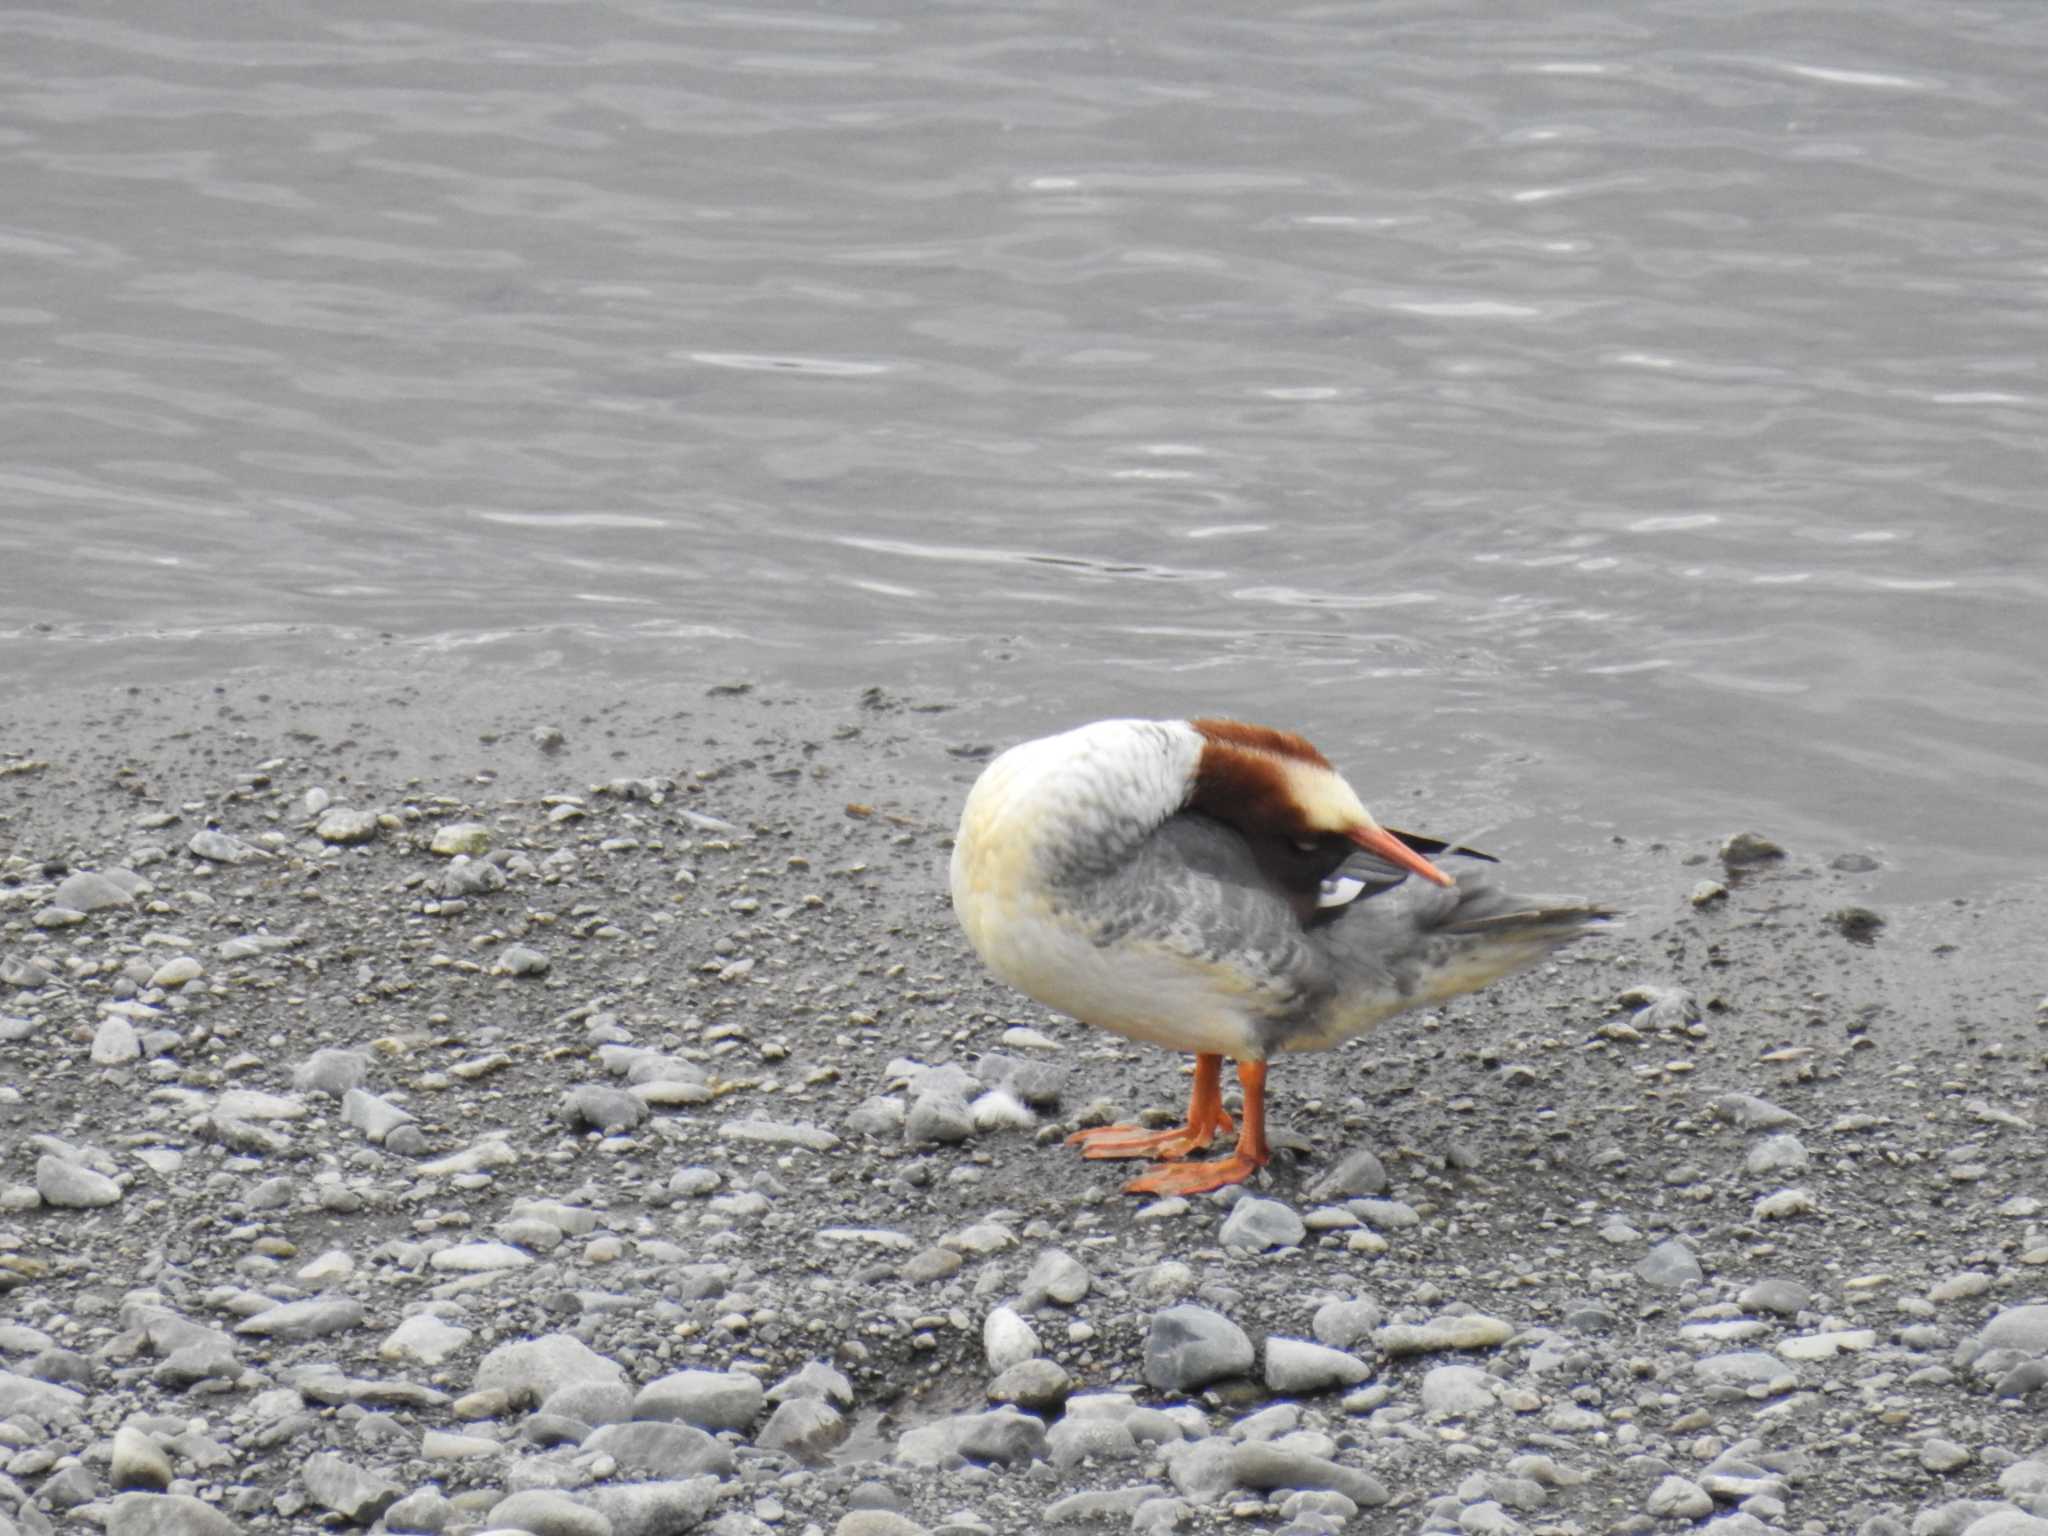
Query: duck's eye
{"x": 1307, "y": 845}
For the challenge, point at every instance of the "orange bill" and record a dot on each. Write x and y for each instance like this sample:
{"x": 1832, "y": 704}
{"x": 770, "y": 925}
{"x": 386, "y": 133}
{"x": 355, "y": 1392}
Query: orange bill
{"x": 1383, "y": 844}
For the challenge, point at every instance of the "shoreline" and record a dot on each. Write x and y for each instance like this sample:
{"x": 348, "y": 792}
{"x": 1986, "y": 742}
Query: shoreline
{"x": 750, "y": 915}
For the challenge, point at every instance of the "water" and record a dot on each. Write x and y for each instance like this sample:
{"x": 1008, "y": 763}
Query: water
{"x": 1620, "y": 420}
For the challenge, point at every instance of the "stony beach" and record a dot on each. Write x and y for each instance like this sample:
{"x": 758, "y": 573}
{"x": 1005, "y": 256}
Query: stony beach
{"x": 430, "y": 1102}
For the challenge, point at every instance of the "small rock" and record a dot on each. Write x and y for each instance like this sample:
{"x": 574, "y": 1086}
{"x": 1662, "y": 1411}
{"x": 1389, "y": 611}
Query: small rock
{"x": 470, "y": 837}
{"x": 1458, "y": 1391}
{"x": 1057, "y": 1276}
{"x": 1032, "y": 1384}
{"x": 1189, "y": 1347}
{"x": 137, "y": 1461}
{"x": 355, "y": 1494}
{"x": 1939, "y": 1455}
{"x": 1747, "y": 849}
{"x": 1678, "y": 1498}
{"x": 219, "y": 848}
{"x": 1342, "y": 1323}
{"x": 115, "y": 1043}
{"x": 1257, "y": 1224}
{"x": 1786, "y": 1203}
{"x": 1462, "y": 1331}
{"x": 1670, "y": 1265}
{"x": 73, "y": 1185}
{"x": 165, "y": 1514}
{"x": 519, "y": 960}
{"x": 1295, "y": 1366}
{"x": 711, "y": 1400}
{"x": 1857, "y": 924}
{"x": 1783, "y": 1153}
{"x": 342, "y": 825}
{"x": 804, "y": 1427}
{"x": 1007, "y": 1340}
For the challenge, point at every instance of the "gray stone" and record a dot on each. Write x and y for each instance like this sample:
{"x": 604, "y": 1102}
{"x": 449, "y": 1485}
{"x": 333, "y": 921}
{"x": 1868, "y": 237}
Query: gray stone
{"x": 520, "y": 960}
{"x": 1342, "y": 1323}
{"x": 1294, "y": 1366}
{"x": 1670, "y": 1265}
{"x": 1753, "y": 1113}
{"x": 165, "y": 1514}
{"x": 1264, "y": 1466}
{"x": 89, "y": 891}
{"x": 137, "y": 1461}
{"x": 1110, "y": 1506}
{"x": 814, "y": 1379}
{"x": 1784, "y": 1297}
{"x": 654, "y": 1509}
{"x": 2021, "y": 1328}
{"x": 547, "y": 1512}
{"x": 470, "y": 837}
{"x": 605, "y": 1109}
{"x": 1678, "y": 1498}
{"x": 1056, "y": 1275}
{"x": 1259, "y": 1224}
{"x": 937, "y": 1116}
{"x": 1203, "y": 1470}
{"x": 332, "y": 1072}
{"x": 664, "y": 1447}
{"x": 115, "y": 1043}
{"x": 73, "y": 1186}
{"x": 1188, "y": 1347}
{"x": 804, "y": 1427}
{"x": 1743, "y": 849}
{"x": 877, "y": 1522}
{"x": 1470, "y": 1330}
{"x": 1072, "y": 1440}
{"x": 710, "y": 1400}
{"x": 354, "y": 1493}
{"x": 1783, "y": 1153}
{"x": 1742, "y": 1368}
{"x": 1003, "y": 1435}
{"x": 1007, "y": 1340}
{"x": 375, "y": 1117}
{"x": 591, "y": 1402}
{"x": 528, "y": 1370}
{"x": 219, "y": 848}
{"x": 1458, "y": 1390}
{"x": 344, "y": 825}
{"x": 312, "y": 1319}
{"x": 775, "y": 1134}
{"x": 1032, "y": 1384}
{"x": 1357, "y": 1173}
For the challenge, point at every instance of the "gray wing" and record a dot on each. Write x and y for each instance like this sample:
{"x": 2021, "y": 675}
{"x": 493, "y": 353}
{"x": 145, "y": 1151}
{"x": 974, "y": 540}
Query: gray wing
{"x": 1194, "y": 889}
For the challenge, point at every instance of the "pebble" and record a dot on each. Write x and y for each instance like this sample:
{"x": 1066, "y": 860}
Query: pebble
{"x": 1679, "y": 1498}
{"x": 165, "y": 1514}
{"x": 711, "y": 1400}
{"x": 345, "y": 826}
{"x": 115, "y": 1042}
{"x": 1786, "y": 1203}
{"x": 1459, "y": 1331}
{"x": 1007, "y": 1340}
{"x": 73, "y": 1185}
{"x": 1342, "y": 1322}
{"x": 1056, "y": 1276}
{"x": 461, "y": 837}
{"x": 1745, "y": 849}
{"x": 219, "y": 848}
{"x": 1670, "y": 1265}
{"x": 1780, "y": 1154}
{"x": 312, "y": 1319}
{"x": 91, "y": 891}
{"x": 804, "y": 1427}
{"x": 531, "y": 1370}
{"x": 1257, "y": 1224}
{"x": 1458, "y": 1390}
{"x": 1188, "y": 1347}
{"x": 136, "y": 1461}
{"x": 353, "y": 1492}
{"x": 546, "y": 1512}
{"x": 1296, "y": 1366}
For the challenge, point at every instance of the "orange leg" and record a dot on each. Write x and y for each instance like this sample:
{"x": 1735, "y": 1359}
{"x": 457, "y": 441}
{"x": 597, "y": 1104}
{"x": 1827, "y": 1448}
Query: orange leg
{"x": 1251, "y": 1155}
{"x": 1206, "y": 1117}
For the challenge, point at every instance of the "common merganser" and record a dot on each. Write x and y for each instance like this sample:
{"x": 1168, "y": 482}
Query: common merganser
{"x": 1217, "y": 887}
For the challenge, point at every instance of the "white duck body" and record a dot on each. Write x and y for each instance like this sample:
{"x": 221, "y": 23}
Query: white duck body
{"x": 1136, "y": 874}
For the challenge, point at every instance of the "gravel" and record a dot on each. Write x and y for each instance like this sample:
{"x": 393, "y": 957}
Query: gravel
{"x": 458, "y": 1121}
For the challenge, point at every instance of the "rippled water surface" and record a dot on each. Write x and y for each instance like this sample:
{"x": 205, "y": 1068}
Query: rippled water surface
{"x": 1609, "y": 419}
